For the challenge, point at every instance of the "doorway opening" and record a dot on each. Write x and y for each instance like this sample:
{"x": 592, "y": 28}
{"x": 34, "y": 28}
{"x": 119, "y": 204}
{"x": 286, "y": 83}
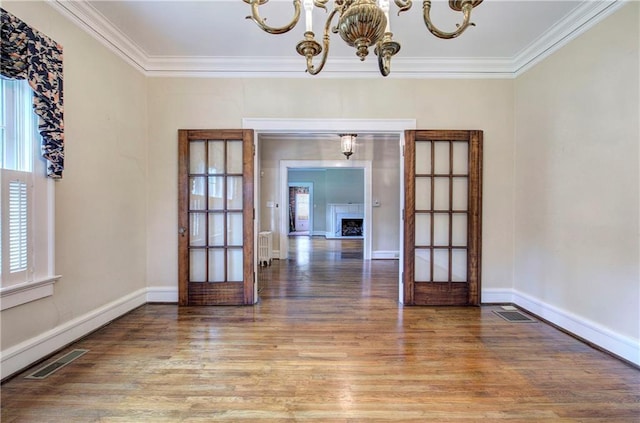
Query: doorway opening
{"x": 384, "y": 194}
{"x": 300, "y": 208}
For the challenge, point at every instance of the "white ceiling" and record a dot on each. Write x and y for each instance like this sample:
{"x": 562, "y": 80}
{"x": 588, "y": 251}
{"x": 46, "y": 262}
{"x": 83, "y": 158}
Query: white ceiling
{"x": 213, "y": 38}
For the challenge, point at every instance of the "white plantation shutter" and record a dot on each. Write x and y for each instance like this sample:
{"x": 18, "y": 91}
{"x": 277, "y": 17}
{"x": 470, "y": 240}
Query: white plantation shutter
{"x": 18, "y": 225}
{"x": 17, "y": 221}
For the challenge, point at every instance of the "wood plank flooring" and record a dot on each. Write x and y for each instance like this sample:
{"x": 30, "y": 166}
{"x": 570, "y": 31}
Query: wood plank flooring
{"x": 328, "y": 342}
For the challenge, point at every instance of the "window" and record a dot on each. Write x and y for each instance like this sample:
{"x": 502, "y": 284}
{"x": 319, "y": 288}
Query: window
{"x": 26, "y": 215}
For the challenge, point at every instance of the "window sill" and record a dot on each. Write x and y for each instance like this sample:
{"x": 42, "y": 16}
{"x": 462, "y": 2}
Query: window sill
{"x": 23, "y": 293}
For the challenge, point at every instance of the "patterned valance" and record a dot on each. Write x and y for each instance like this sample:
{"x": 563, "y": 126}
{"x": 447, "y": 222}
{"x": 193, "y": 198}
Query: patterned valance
{"x": 31, "y": 55}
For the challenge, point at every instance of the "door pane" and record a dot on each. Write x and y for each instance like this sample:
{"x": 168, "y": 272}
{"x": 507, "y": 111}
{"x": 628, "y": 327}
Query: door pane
{"x": 216, "y": 229}
{"x": 234, "y": 229}
{"x": 441, "y": 229}
{"x": 441, "y": 193}
{"x": 216, "y": 156}
{"x": 459, "y": 265}
{"x": 196, "y": 157}
{"x": 460, "y": 158}
{"x": 197, "y": 193}
{"x": 440, "y": 265}
{"x": 423, "y": 193}
{"x": 459, "y": 230}
{"x": 234, "y": 193}
{"x": 216, "y": 192}
{"x": 423, "y": 229}
{"x": 197, "y": 265}
{"x": 422, "y": 267}
{"x": 197, "y": 230}
{"x": 441, "y": 157}
{"x": 460, "y": 193}
{"x": 234, "y": 157}
{"x": 423, "y": 158}
{"x": 234, "y": 265}
{"x": 216, "y": 265}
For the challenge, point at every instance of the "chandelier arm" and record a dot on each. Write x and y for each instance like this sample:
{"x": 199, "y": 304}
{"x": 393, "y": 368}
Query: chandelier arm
{"x": 403, "y": 5}
{"x": 384, "y": 64}
{"x": 255, "y": 16}
{"x": 325, "y": 46}
{"x": 385, "y": 50}
{"x": 322, "y": 4}
{"x": 466, "y": 9}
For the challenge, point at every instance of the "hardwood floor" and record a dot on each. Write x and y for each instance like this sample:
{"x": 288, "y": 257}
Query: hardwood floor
{"x": 328, "y": 342}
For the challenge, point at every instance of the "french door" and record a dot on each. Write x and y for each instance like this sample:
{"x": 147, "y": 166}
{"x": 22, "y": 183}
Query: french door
{"x": 216, "y": 213}
{"x": 442, "y": 227}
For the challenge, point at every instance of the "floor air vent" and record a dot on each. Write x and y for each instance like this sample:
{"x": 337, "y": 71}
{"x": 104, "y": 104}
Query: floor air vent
{"x": 514, "y": 316}
{"x": 47, "y": 370}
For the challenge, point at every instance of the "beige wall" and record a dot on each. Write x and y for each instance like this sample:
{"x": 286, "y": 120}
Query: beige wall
{"x": 176, "y": 103}
{"x": 577, "y": 182}
{"x": 100, "y": 204}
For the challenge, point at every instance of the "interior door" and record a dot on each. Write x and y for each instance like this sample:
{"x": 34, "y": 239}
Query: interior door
{"x": 216, "y": 214}
{"x": 442, "y": 227}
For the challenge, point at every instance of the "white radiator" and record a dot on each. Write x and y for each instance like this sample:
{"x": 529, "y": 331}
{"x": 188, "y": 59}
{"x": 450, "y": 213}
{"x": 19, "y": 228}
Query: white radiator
{"x": 265, "y": 248}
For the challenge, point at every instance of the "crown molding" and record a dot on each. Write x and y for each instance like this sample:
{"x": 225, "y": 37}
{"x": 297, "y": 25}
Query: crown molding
{"x": 91, "y": 21}
{"x": 577, "y": 22}
{"x": 573, "y": 25}
{"x": 337, "y": 67}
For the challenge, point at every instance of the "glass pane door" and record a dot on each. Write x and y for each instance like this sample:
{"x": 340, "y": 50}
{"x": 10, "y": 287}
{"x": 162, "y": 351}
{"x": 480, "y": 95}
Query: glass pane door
{"x": 218, "y": 217}
{"x": 442, "y": 217}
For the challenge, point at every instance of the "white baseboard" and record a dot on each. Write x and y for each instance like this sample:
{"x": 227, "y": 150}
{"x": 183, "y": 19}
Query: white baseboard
{"x": 622, "y": 346}
{"x": 496, "y": 296}
{"x": 385, "y": 255}
{"x": 162, "y": 294}
{"x": 20, "y": 356}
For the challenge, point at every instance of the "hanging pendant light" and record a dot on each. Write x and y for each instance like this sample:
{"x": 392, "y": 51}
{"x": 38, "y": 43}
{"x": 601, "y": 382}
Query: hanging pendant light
{"x": 347, "y": 141}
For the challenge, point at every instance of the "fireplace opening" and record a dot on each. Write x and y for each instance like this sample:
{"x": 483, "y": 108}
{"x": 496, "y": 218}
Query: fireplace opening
{"x": 352, "y": 227}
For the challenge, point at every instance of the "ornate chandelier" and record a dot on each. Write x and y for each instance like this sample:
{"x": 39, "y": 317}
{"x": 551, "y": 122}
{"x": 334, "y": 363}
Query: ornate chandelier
{"x": 361, "y": 24}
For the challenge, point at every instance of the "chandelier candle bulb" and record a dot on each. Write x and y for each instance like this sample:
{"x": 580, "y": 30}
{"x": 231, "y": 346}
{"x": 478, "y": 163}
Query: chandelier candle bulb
{"x": 384, "y": 5}
{"x": 308, "y": 14}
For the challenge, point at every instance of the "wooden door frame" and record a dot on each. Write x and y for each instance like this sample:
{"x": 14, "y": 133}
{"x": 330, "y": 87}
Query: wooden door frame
{"x": 474, "y": 206}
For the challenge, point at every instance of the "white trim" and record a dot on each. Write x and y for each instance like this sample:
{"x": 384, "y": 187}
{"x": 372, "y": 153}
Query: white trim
{"x": 583, "y": 18}
{"x": 87, "y": 18}
{"x": 341, "y": 67}
{"x": 92, "y": 22}
{"x": 620, "y": 345}
{"x": 269, "y": 125}
{"x": 162, "y": 294}
{"x": 20, "y": 356}
{"x": 496, "y": 296}
{"x": 385, "y": 255}
{"x": 15, "y": 295}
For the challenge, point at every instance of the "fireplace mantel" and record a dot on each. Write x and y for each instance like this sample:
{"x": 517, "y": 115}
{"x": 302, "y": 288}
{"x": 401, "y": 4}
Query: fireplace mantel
{"x": 337, "y": 212}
